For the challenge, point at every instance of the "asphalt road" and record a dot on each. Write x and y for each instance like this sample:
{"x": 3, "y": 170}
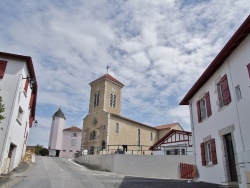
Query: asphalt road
{"x": 50, "y": 172}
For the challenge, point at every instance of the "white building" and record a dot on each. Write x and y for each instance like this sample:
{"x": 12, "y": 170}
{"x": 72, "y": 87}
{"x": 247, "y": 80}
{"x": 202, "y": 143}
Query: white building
{"x": 63, "y": 142}
{"x": 18, "y": 89}
{"x": 175, "y": 142}
{"x": 219, "y": 105}
{"x": 71, "y": 143}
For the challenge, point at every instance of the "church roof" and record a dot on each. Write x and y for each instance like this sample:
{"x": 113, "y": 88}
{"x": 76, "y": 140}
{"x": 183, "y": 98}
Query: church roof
{"x": 59, "y": 113}
{"x": 167, "y": 126}
{"x": 107, "y": 77}
{"x": 73, "y": 128}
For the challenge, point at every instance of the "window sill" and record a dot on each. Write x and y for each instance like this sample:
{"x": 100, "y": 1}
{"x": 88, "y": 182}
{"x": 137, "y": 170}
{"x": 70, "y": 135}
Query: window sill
{"x": 209, "y": 165}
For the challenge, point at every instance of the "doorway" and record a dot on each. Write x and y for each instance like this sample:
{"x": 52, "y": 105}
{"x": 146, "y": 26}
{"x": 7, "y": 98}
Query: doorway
{"x": 232, "y": 171}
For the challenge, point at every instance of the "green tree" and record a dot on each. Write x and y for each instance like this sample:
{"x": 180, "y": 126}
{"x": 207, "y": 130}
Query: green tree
{"x": 38, "y": 148}
{"x": 44, "y": 152}
{"x": 2, "y": 109}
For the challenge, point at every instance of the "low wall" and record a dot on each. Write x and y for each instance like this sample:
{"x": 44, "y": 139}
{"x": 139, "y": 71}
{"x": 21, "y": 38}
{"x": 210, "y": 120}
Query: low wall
{"x": 164, "y": 166}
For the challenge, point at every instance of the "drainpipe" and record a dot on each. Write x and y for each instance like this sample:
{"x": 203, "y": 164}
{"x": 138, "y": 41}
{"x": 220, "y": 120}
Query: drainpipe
{"x": 236, "y": 105}
{"x": 192, "y": 130}
{"x": 10, "y": 117}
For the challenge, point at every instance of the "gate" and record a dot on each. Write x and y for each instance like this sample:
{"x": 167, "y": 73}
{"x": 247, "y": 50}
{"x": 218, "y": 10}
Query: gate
{"x": 188, "y": 171}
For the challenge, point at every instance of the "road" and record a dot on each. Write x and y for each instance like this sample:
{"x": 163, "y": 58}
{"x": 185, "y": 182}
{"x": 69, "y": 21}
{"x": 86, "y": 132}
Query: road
{"x": 50, "y": 172}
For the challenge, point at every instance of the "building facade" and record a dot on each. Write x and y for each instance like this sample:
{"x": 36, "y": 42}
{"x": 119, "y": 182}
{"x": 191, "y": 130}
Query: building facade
{"x": 106, "y": 131}
{"x": 18, "y": 89}
{"x": 219, "y": 109}
{"x": 63, "y": 142}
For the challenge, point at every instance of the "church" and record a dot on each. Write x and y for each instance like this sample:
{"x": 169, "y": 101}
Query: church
{"x": 106, "y": 131}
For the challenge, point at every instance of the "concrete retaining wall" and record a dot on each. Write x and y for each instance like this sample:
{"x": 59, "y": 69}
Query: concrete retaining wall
{"x": 165, "y": 166}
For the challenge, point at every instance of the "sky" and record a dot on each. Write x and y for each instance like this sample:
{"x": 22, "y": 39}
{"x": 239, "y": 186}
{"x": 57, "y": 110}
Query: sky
{"x": 156, "y": 48}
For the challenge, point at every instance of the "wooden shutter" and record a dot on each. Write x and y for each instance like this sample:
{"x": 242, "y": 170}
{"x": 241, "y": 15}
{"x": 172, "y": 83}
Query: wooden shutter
{"x": 31, "y": 121}
{"x": 2, "y": 68}
{"x": 198, "y": 111}
{"x": 203, "y": 158}
{"x": 32, "y": 100}
{"x": 213, "y": 151}
{"x": 248, "y": 68}
{"x": 208, "y": 104}
{"x": 225, "y": 90}
{"x": 26, "y": 85}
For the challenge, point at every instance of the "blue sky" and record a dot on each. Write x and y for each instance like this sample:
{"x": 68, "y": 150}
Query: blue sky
{"x": 158, "y": 49}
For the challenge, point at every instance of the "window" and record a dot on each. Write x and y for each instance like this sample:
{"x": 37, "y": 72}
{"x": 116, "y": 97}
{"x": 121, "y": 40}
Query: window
{"x": 117, "y": 128}
{"x": 139, "y": 137}
{"x": 2, "y": 68}
{"x": 90, "y": 136}
{"x": 70, "y": 150}
{"x": 173, "y": 152}
{"x": 26, "y": 85}
{"x": 64, "y": 150}
{"x": 183, "y": 152}
{"x": 248, "y": 68}
{"x": 74, "y": 134}
{"x": 94, "y": 135}
{"x": 238, "y": 92}
{"x": 151, "y": 136}
{"x": 112, "y": 101}
{"x": 208, "y": 152}
{"x": 96, "y": 99}
{"x": 224, "y": 97}
{"x": 204, "y": 108}
{"x": 20, "y": 115}
{"x": 73, "y": 142}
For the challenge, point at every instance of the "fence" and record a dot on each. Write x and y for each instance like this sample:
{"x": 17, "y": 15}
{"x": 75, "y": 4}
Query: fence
{"x": 188, "y": 171}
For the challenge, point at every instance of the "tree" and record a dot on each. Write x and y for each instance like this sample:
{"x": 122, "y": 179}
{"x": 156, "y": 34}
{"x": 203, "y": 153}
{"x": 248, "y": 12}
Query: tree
{"x": 2, "y": 109}
{"x": 44, "y": 152}
{"x": 38, "y": 148}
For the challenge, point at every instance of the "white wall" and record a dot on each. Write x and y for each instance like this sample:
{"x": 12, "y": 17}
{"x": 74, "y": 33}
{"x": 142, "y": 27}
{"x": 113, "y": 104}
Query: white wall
{"x": 56, "y": 132}
{"x": 138, "y": 165}
{"x": 236, "y": 114}
{"x": 11, "y": 131}
{"x": 66, "y": 144}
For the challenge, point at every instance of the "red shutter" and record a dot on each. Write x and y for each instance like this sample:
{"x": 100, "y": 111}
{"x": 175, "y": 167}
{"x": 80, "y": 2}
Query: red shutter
{"x": 198, "y": 111}
{"x": 213, "y": 151}
{"x": 2, "y": 68}
{"x": 208, "y": 104}
{"x": 248, "y": 68}
{"x": 32, "y": 99}
{"x": 225, "y": 90}
{"x": 203, "y": 158}
{"x": 31, "y": 121}
{"x": 26, "y": 85}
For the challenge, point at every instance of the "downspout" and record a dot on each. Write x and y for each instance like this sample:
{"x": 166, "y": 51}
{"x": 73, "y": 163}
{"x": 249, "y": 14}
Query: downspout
{"x": 192, "y": 130}
{"x": 236, "y": 107}
{"x": 10, "y": 118}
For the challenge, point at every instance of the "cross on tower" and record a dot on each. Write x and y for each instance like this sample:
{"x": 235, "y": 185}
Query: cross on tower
{"x": 107, "y": 69}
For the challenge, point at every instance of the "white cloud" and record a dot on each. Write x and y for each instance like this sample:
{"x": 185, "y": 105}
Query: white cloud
{"x": 156, "y": 48}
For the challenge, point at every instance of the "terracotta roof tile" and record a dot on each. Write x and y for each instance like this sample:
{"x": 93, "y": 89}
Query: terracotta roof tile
{"x": 167, "y": 126}
{"x": 73, "y": 128}
{"x": 108, "y": 77}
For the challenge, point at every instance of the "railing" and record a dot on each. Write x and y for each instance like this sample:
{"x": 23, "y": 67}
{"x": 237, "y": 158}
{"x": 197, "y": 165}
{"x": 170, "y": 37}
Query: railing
{"x": 188, "y": 171}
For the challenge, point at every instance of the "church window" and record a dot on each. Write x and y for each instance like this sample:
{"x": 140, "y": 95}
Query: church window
{"x": 96, "y": 99}
{"x": 94, "y": 135}
{"x": 90, "y": 136}
{"x": 111, "y": 100}
{"x": 74, "y": 134}
{"x": 114, "y": 100}
{"x": 117, "y": 128}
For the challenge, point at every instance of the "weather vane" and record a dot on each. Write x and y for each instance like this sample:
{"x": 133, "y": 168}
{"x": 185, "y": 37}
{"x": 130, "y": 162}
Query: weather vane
{"x": 107, "y": 69}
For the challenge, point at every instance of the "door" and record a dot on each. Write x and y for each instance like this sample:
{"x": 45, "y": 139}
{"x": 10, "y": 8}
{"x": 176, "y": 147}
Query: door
{"x": 230, "y": 158}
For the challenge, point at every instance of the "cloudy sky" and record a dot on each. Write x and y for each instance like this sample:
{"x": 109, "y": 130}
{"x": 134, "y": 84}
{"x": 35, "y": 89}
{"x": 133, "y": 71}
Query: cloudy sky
{"x": 156, "y": 48}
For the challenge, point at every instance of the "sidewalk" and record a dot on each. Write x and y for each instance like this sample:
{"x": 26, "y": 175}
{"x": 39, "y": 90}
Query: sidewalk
{"x": 7, "y": 179}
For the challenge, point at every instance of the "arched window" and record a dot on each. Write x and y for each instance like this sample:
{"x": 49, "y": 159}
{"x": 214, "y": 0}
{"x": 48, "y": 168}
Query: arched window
{"x": 94, "y": 135}
{"x": 111, "y": 100}
{"x": 96, "y": 99}
{"x": 114, "y": 100}
{"x": 103, "y": 144}
{"x": 90, "y": 136}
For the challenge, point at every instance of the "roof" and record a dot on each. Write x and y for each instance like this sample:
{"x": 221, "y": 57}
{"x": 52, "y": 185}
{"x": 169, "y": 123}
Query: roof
{"x": 107, "y": 77}
{"x": 231, "y": 45}
{"x": 167, "y": 126}
{"x": 73, "y": 128}
{"x": 121, "y": 117}
{"x": 173, "y": 131}
{"x": 32, "y": 75}
{"x": 59, "y": 113}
